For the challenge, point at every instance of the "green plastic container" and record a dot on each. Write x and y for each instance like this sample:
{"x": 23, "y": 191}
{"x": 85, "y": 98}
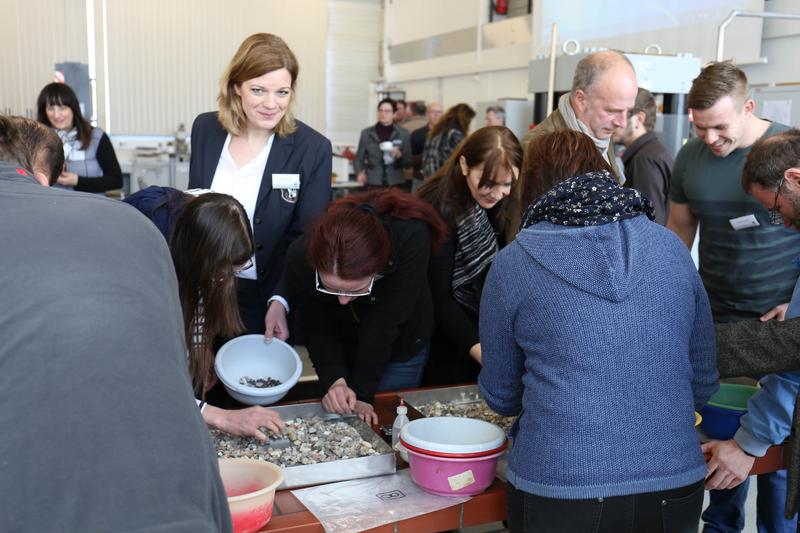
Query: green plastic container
{"x": 721, "y": 415}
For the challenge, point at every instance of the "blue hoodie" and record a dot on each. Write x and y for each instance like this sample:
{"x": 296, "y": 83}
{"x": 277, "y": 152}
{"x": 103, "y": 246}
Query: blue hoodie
{"x": 601, "y": 339}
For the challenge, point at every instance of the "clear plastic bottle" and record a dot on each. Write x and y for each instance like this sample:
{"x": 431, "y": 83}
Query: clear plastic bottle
{"x": 400, "y": 420}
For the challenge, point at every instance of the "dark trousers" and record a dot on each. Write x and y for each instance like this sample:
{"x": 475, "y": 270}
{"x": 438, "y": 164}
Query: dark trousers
{"x": 668, "y": 511}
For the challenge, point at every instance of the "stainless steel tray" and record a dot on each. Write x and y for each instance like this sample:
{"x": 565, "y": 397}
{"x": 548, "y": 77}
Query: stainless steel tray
{"x": 341, "y": 470}
{"x": 461, "y": 394}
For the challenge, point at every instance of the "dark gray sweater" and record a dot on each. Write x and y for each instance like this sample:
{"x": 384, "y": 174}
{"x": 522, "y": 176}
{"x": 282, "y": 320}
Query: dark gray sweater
{"x": 753, "y": 348}
{"x": 101, "y": 430}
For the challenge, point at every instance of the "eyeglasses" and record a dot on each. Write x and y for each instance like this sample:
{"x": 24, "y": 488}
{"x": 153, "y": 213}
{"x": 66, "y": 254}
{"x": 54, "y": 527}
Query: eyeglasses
{"x": 242, "y": 268}
{"x": 348, "y": 294}
{"x": 775, "y": 217}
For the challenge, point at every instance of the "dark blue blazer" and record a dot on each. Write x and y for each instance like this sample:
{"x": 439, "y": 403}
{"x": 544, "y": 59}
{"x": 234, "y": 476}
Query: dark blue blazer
{"x": 277, "y": 219}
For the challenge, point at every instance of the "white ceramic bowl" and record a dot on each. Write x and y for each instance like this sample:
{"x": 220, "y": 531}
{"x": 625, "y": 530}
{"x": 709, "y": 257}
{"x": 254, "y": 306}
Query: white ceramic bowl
{"x": 453, "y": 436}
{"x": 250, "y": 356}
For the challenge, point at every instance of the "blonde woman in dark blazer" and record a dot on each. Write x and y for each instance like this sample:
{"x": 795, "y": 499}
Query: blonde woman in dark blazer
{"x": 277, "y": 167}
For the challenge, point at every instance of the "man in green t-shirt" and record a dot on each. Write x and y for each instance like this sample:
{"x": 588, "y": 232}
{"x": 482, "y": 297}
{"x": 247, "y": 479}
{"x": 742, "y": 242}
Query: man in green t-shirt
{"x": 746, "y": 263}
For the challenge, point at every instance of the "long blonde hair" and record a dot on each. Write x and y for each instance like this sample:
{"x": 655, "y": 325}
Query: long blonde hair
{"x": 257, "y": 55}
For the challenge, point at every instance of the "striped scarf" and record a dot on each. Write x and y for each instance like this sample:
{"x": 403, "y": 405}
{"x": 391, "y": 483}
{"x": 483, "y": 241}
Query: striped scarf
{"x": 475, "y": 251}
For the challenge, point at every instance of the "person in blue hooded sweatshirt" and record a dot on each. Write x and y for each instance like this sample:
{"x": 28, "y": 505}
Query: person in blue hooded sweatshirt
{"x": 597, "y": 334}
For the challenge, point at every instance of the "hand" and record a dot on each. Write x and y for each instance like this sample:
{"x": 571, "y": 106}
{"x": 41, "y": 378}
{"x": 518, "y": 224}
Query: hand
{"x": 728, "y": 465}
{"x": 245, "y": 422}
{"x": 340, "y": 398}
{"x": 397, "y": 153}
{"x": 68, "y": 179}
{"x": 361, "y": 177}
{"x": 778, "y": 312}
{"x": 275, "y": 322}
{"x": 475, "y": 353}
{"x": 366, "y": 412}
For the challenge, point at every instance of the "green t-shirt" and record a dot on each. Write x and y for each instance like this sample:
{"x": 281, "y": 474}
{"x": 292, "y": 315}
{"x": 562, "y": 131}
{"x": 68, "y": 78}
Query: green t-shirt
{"x": 746, "y": 272}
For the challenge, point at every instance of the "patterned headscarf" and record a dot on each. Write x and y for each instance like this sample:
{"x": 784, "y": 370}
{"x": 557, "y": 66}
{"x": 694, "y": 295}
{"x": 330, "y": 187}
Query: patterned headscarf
{"x": 590, "y": 199}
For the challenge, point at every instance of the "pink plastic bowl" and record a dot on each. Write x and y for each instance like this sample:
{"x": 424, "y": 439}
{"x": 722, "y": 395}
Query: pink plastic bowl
{"x": 451, "y": 476}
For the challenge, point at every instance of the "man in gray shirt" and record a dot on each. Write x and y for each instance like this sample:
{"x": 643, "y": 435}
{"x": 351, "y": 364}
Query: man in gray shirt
{"x": 101, "y": 430}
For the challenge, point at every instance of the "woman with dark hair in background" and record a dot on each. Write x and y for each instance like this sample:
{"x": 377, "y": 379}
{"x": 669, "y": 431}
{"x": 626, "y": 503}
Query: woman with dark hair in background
{"x": 210, "y": 240}
{"x": 358, "y": 278}
{"x": 384, "y": 150}
{"x": 276, "y": 166}
{"x": 444, "y": 136}
{"x": 92, "y": 164}
{"x": 595, "y": 318}
{"x": 469, "y": 192}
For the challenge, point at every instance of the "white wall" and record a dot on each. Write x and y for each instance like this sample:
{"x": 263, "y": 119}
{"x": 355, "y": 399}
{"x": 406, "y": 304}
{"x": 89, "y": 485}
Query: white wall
{"x": 779, "y": 47}
{"x": 34, "y": 36}
{"x": 489, "y": 73}
{"x": 355, "y": 30}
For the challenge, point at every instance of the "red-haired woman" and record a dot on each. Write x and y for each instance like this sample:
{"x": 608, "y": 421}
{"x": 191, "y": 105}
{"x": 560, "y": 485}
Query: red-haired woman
{"x": 358, "y": 279}
{"x": 469, "y": 192}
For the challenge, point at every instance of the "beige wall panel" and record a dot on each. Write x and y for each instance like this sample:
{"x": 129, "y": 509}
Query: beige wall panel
{"x": 165, "y": 58}
{"x": 34, "y": 36}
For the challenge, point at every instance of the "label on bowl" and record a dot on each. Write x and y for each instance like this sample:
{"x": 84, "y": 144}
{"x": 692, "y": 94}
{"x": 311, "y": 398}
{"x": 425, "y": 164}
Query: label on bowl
{"x": 459, "y": 481}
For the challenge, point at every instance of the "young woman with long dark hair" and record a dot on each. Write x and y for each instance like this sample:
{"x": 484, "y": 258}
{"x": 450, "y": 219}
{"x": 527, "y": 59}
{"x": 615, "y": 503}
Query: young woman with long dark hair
{"x": 358, "y": 279}
{"x": 210, "y": 240}
{"x": 470, "y": 192}
{"x": 92, "y": 164}
{"x": 444, "y": 136}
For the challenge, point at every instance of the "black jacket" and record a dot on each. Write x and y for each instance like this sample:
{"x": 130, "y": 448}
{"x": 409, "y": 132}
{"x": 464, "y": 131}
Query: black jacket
{"x": 393, "y": 323}
{"x": 278, "y": 218}
{"x": 648, "y": 169}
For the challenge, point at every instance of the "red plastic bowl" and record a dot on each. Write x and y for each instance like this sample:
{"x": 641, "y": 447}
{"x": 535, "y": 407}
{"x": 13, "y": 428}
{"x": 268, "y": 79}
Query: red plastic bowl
{"x": 250, "y": 485}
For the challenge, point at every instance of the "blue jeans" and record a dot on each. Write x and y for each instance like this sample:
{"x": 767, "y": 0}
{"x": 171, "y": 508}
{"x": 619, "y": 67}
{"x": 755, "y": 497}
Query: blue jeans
{"x": 405, "y": 374}
{"x": 725, "y": 513}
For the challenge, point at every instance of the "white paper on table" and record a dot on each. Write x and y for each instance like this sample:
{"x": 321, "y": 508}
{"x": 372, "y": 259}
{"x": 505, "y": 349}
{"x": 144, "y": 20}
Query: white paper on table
{"x": 351, "y": 506}
{"x": 778, "y": 111}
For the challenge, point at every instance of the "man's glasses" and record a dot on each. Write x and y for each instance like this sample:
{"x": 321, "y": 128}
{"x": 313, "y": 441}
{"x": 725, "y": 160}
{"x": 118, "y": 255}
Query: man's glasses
{"x": 775, "y": 217}
{"x": 348, "y": 294}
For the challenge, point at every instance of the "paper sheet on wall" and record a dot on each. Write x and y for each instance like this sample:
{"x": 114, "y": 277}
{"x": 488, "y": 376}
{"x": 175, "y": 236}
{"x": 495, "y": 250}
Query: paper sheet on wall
{"x": 362, "y": 504}
{"x": 778, "y": 111}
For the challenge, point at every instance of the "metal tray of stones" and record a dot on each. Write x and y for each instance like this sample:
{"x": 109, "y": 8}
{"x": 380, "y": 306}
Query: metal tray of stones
{"x": 338, "y": 465}
{"x": 464, "y": 400}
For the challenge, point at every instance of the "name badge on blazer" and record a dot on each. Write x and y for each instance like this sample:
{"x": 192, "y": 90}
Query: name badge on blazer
{"x": 289, "y": 184}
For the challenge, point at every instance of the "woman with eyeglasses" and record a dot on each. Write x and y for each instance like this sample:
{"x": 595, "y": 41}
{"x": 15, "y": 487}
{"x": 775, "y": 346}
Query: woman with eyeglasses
{"x": 358, "y": 280}
{"x": 210, "y": 241}
{"x": 91, "y": 163}
{"x": 470, "y": 192}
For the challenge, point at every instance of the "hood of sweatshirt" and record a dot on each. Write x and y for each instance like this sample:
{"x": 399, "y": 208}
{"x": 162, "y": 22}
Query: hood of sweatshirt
{"x": 595, "y": 259}
{"x": 13, "y": 172}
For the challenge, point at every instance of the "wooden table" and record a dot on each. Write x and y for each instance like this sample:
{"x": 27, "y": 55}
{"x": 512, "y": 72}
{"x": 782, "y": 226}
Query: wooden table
{"x": 290, "y": 516}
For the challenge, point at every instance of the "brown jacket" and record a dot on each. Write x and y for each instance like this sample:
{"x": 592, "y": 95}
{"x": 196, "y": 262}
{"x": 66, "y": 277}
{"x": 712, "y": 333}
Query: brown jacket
{"x": 753, "y": 348}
